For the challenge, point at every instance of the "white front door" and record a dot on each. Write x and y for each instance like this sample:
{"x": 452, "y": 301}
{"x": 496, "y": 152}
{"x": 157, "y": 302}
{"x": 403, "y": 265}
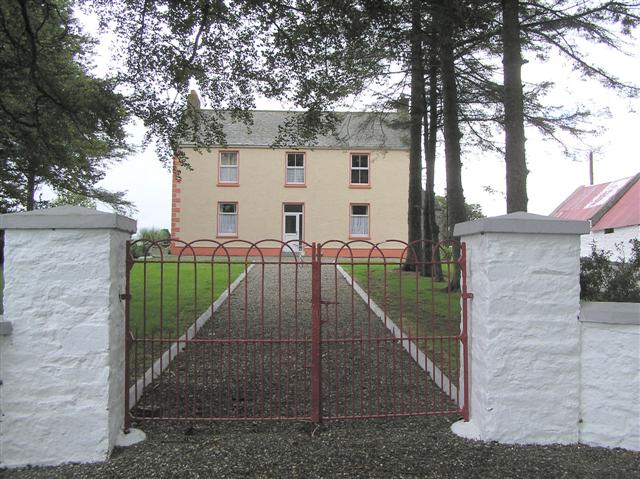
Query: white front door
{"x": 293, "y": 222}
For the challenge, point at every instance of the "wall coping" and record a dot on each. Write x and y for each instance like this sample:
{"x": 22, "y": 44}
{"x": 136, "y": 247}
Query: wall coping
{"x": 67, "y": 217}
{"x": 522, "y": 222}
{"x": 609, "y": 313}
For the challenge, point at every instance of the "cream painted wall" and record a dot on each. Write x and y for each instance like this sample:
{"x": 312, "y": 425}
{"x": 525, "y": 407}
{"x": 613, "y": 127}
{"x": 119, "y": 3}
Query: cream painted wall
{"x": 326, "y": 197}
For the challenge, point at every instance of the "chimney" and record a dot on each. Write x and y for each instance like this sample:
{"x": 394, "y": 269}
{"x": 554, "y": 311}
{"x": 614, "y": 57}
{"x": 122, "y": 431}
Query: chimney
{"x": 193, "y": 100}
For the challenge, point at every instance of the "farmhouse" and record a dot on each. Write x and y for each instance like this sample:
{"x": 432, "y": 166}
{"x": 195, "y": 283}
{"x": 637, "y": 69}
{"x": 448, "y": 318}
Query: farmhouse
{"x": 349, "y": 185}
{"x": 613, "y": 210}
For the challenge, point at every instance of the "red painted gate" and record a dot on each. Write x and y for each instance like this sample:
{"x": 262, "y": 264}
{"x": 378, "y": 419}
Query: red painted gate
{"x": 240, "y": 331}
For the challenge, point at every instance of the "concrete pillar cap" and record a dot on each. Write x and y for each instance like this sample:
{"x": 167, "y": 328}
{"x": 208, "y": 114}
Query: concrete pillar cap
{"x": 67, "y": 217}
{"x": 522, "y": 222}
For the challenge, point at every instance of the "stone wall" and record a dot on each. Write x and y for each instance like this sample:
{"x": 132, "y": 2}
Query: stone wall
{"x": 610, "y": 375}
{"x": 537, "y": 374}
{"x": 62, "y": 365}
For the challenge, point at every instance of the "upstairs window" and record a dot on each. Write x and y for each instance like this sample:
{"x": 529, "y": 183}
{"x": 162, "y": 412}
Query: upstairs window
{"x": 359, "y": 169}
{"x": 228, "y": 168}
{"x": 359, "y": 226}
{"x": 295, "y": 169}
{"x": 227, "y": 219}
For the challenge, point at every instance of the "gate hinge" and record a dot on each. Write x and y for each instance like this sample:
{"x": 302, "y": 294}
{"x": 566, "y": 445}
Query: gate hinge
{"x": 124, "y": 296}
{"x": 467, "y": 295}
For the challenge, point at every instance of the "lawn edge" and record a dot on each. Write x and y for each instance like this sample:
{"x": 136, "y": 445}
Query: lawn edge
{"x": 436, "y": 374}
{"x": 137, "y": 389}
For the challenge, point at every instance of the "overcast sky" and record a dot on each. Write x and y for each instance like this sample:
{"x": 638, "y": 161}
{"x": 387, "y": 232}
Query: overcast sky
{"x": 553, "y": 175}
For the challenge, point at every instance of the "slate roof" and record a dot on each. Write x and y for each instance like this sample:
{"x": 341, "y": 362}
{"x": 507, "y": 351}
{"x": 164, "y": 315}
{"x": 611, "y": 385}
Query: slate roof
{"x": 355, "y": 130}
{"x": 607, "y": 205}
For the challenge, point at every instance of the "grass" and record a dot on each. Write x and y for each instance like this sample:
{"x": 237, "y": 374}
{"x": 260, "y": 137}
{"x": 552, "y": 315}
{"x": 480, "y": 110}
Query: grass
{"x": 182, "y": 303}
{"x": 419, "y": 306}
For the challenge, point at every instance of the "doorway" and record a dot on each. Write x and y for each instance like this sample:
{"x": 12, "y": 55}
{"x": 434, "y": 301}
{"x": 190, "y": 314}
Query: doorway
{"x": 293, "y": 225}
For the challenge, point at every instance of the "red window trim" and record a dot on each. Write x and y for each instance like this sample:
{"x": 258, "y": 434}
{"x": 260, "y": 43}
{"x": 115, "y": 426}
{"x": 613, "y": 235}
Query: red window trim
{"x": 359, "y": 237}
{"x": 229, "y": 183}
{"x": 227, "y": 235}
{"x": 360, "y": 185}
{"x": 304, "y": 161}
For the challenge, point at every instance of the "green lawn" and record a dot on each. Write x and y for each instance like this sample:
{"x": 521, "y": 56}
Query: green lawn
{"x": 182, "y": 303}
{"x": 418, "y": 305}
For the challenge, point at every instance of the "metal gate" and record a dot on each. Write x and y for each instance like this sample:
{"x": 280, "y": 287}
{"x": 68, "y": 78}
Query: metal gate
{"x": 267, "y": 331}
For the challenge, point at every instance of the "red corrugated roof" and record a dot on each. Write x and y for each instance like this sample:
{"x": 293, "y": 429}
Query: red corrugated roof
{"x": 625, "y": 212}
{"x": 596, "y": 200}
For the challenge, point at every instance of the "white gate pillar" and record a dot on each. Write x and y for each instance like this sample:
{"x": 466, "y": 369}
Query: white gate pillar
{"x": 62, "y": 364}
{"x": 523, "y": 271}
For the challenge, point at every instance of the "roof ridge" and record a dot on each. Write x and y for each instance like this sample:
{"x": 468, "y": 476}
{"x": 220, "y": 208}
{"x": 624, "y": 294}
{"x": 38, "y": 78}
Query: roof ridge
{"x": 597, "y": 216}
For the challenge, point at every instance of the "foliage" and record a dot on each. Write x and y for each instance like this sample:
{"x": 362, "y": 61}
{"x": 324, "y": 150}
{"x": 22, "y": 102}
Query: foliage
{"x": 59, "y": 125}
{"x": 151, "y": 242}
{"x": 69, "y": 198}
{"x": 473, "y": 212}
{"x": 602, "y": 279}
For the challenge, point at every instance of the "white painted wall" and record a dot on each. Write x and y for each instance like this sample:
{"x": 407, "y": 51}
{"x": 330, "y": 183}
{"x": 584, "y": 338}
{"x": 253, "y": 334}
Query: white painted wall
{"x": 609, "y": 242}
{"x": 62, "y": 366}
{"x": 524, "y": 337}
{"x": 610, "y": 379}
{"x": 537, "y": 374}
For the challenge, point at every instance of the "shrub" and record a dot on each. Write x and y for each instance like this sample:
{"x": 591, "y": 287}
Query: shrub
{"x": 153, "y": 239}
{"x": 602, "y": 279}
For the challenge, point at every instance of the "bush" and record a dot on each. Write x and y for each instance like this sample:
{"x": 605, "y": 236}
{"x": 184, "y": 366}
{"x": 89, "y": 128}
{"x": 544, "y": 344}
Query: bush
{"x": 149, "y": 241}
{"x": 602, "y": 279}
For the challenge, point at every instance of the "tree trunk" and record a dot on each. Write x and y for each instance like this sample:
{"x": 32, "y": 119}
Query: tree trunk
{"x": 456, "y": 212}
{"x": 431, "y": 230}
{"x": 516, "y": 164}
{"x": 415, "y": 255}
{"x": 31, "y": 187}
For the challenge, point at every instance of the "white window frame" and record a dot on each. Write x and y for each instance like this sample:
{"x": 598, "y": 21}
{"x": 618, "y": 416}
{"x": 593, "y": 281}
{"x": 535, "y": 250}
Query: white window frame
{"x": 222, "y": 214}
{"x": 352, "y": 216}
{"x": 222, "y": 167}
{"x": 295, "y": 168}
{"x": 359, "y": 168}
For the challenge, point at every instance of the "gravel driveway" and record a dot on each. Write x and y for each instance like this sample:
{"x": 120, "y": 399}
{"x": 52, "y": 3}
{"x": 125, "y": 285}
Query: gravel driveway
{"x": 272, "y": 379}
{"x": 265, "y": 372}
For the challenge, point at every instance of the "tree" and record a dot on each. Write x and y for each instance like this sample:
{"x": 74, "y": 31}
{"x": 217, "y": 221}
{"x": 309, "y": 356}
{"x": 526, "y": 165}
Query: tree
{"x": 515, "y": 159}
{"x": 415, "y": 253}
{"x": 446, "y": 21}
{"x": 68, "y": 198}
{"x": 59, "y": 125}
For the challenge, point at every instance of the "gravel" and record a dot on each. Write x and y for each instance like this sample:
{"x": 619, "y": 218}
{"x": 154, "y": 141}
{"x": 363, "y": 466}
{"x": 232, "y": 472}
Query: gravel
{"x": 365, "y": 370}
{"x": 409, "y": 447}
{"x": 273, "y": 380}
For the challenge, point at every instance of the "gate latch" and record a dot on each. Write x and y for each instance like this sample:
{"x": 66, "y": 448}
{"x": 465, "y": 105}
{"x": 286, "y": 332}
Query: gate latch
{"x": 124, "y": 296}
{"x": 467, "y": 295}
{"x": 327, "y": 303}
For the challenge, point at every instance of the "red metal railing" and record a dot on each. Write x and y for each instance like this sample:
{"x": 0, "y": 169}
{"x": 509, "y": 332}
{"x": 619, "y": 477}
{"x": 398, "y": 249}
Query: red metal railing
{"x": 318, "y": 331}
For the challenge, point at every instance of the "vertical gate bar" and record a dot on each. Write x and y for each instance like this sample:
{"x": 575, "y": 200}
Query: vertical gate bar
{"x": 316, "y": 416}
{"x": 464, "y": 334}
{"x": 127, "y": 335}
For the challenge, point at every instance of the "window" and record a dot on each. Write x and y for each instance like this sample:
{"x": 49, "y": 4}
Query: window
{"x": 295, "y": 168}
{"x": 359, "y": 169}
{"x": 228, "y": 168}
{"x": 608, "y": 231}
{"x": 359, "y": 221}
{"x": 227, "y": 219}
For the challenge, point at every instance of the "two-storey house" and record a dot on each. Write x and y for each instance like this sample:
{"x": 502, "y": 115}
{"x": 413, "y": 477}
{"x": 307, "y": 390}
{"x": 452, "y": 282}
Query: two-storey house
{"x": 349, "y": 185}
